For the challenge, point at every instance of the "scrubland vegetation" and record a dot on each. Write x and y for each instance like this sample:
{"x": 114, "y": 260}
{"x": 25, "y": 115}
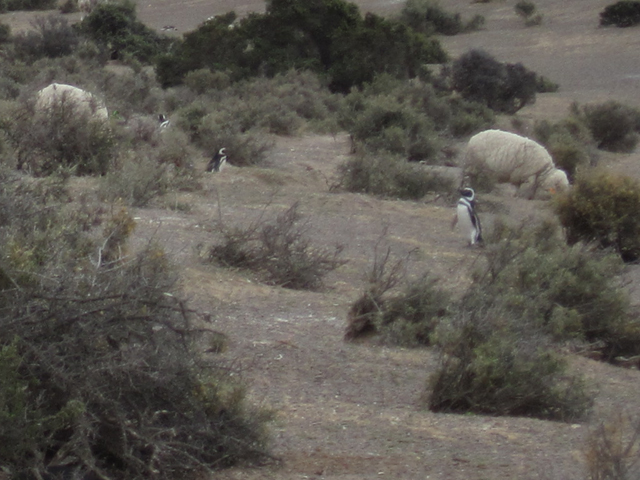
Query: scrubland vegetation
{"x": 101, "y": 363}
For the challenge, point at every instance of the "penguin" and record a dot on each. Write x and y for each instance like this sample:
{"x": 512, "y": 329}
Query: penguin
{"x": 467, "y": 218}
{"x": 163, "y": 121}
{"x": 218, "y": 161}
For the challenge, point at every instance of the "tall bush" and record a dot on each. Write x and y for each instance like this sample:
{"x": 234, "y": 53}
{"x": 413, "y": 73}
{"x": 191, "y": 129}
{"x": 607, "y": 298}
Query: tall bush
{"x": 625, "y": 13}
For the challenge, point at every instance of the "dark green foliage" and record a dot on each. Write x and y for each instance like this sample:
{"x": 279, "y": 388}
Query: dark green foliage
{"x": 12, "y": 5}
{"x": 525, "y": 8}
{"x": 390, "y": 176}
{"x": 601, "y": 208}
{"x": 50, "y": 37}
{"x": 104, "y": 337}
{"x": 614, "y": 126}
{"x": 428, "y": 17}
{"x": 325, "y": 36}
{"x": 279, "y": 251}
{"x": 115, "y": 26}
{"x": 5, "y": 33}
{"x": 625, "y": 13}
{"x": 503, "y": 87}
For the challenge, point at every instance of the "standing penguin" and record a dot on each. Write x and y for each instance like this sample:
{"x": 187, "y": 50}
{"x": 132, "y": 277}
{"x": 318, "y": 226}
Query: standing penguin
{"x": 218, "y": 161}
{"x": 466, "y": 217}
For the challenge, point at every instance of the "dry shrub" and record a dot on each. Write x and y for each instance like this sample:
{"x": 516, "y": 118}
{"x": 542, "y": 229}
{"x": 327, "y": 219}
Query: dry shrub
{"x": 61, "y": 139}
{"x": 400, "y": 311}
{"x": 280, "y": 251}
{"x": 612, "y": 451}
{"x": 100, "y": 376}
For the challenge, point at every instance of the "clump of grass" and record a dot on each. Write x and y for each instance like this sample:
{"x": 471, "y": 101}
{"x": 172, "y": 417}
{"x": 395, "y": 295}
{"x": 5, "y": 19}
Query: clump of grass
{"x": 279, "y": 251}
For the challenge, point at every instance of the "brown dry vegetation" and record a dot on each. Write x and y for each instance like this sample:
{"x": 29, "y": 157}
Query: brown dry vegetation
{"x": 351, "y": 411}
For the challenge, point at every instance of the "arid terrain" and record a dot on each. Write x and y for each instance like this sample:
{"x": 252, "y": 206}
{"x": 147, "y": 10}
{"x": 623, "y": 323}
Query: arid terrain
{"x": 352, "y": 411}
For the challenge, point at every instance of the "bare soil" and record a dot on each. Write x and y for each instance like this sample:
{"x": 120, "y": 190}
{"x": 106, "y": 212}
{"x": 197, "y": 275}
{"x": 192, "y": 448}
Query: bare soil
{"x": 353, "y": 411}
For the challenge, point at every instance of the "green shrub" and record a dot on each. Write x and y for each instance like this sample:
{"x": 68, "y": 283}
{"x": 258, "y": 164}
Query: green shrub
{"x": 568, "y": 142}
{"x": 625, "y": 13}
{"x": 12, "y": 5}
{"x": 103, "y": 335}
{"x": 600, "y": 208}
{"x": 390, "y": 176}
{"x": 525, "y": 8}
{"x": 137, "y": 181}
{"x": 398, "y": 310}
{"x": 565, "y": 292}
{"x": 61, "y": 139}
{"x": 397, "y": 117}
{"x": 490, "y": 365}
{"x": 428, "y": 17}
{"x": 116, "y": 27}
{"x": 5, "y": 33}
{"x": 469, "y": 117}
{"x": 503, "y": 87}
{"x": 279, "y": 251}
{"x": 614, "y": 126}
{"x": 50, "y": 37}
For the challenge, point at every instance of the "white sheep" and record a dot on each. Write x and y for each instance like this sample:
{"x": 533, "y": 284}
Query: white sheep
{"x": 61, "y": 95}
{"x": 517, "y": 160}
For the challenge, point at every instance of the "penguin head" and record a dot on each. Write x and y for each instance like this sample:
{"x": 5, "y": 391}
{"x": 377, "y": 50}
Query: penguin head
{"x": 222, "y": 151}
{"x": 468, "y": 193}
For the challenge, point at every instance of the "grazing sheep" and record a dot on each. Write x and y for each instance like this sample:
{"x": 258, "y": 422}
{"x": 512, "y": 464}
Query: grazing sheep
{"x": 517, "y": 160}
{"x": 82, "y": 102}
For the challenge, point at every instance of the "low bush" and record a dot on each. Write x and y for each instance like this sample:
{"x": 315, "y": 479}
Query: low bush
{"x": 279, "y": 251}
{"x": 62, "y": 139}
{"x": 565, "y": 292}
{"x": 12, "y": 5}
{"x": 102, "y": 334}
{"x": 625, "y": 13}
{"x": 490, "y": 364}
{"x": 390, "y": 176}
{"x": 615, "y": 127}
{"x": 528, "y": 11}
{"x": 399, "y": 311}
{"x": 50, "y": 37}
{"x": 397, "y": 117}
{"x": 600, "y": 208}
{"x": 115, "y": 26}
{"x": 568, "y": 141}
{"x": 612, "y": 450}
{"x": 428, "y": 17}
